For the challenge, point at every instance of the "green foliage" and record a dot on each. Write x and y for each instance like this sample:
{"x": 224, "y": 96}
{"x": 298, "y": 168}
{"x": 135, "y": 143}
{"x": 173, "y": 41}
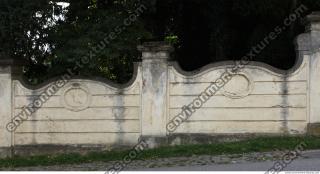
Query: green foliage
{"x": 25, "y": 28}
{"x": 86, "y": 26}
{"x": 172, "y": 39}
{"x": 52, "y": 38}
{"x": 33, "y": 30}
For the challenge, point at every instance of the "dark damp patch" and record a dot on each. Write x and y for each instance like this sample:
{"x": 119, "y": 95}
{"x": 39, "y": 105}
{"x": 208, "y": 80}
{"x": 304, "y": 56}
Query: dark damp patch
{"x": 284, "y": 106}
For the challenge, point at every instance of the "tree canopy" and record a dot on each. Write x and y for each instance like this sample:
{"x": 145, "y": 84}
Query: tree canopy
{"x": 51, "y": 35}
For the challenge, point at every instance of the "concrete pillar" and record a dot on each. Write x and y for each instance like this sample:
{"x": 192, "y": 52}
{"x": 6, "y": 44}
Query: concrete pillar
{"x": 154, "y": 95}
{"x": 5, "y": 106}
{"x": 308, "y": 45}
{"x": 9, "y": 69}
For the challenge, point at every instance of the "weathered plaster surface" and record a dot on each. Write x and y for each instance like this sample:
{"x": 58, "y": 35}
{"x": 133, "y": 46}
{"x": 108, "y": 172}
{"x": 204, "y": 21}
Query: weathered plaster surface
{"x": 93, "y": 113}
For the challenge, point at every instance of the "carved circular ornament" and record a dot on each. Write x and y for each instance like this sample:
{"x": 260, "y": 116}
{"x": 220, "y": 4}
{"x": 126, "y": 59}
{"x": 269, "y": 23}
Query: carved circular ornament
{"x": 76, "y": 97}
{"x": 239, "y": 86}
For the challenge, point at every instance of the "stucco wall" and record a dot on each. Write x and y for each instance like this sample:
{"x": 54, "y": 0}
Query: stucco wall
{"x": 255, "y": 100}
{"x": 86, "y": 112}
{"x": 81, "y": 112}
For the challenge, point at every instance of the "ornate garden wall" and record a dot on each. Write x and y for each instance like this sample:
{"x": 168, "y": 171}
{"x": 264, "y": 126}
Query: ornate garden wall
{"x": 162, "y": 104}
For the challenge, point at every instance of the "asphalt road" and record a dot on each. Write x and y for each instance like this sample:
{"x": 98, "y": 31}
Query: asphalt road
{"x": 310, "y": 161}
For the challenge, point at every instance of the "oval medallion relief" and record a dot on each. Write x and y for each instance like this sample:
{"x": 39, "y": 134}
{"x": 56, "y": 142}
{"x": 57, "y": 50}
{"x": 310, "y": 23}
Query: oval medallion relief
{"x": 238, "y": 87}
{"x": 76, "y": 97}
